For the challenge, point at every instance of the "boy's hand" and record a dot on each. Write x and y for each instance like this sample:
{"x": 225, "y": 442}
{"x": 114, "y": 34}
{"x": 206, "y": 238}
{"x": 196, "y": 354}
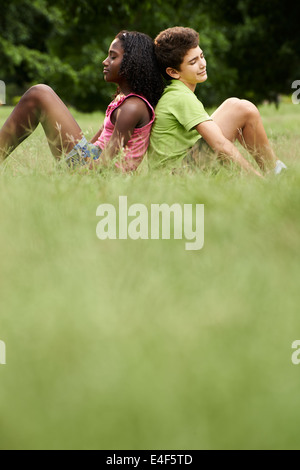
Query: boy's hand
{"x": 214, "y": 137}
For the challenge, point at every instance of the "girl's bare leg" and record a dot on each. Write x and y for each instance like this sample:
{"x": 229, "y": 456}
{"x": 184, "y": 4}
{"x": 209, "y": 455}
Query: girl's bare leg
{"x": 40, "y": 104}
{"x": 240, "y": 119}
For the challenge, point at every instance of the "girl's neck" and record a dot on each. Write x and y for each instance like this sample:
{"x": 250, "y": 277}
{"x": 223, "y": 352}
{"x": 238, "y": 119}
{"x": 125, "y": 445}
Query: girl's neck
{"x": 124, "y": 89}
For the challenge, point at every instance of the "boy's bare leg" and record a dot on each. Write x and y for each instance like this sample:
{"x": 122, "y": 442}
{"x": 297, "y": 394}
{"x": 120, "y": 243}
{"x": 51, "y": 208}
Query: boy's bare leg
{"x": 40, "y": 104}
{"x": 240, "y": 119}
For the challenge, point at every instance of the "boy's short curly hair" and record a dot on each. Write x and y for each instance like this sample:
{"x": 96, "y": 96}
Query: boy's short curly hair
{"x": 172, "y": 45}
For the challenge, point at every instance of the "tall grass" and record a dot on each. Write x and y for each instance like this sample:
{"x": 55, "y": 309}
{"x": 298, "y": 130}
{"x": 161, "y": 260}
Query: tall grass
{"x": 124, "y": 344}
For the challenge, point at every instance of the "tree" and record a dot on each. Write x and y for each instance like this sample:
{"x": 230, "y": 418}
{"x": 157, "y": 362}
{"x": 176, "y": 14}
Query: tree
{"x": 27, "y": 27}
{"x": 252, "y": 46}
{"x": 265, "y": 45}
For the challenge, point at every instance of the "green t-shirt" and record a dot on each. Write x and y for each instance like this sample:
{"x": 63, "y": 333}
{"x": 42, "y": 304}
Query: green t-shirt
{"x": 178, "y": 112}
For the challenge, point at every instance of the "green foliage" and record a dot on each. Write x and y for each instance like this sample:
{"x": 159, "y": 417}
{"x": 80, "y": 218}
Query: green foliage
{"x": 252, "y": 47}
{"x": 265, "y": 44}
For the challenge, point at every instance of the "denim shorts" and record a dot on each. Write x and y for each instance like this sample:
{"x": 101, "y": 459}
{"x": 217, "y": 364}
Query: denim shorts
{"x": 82, "y": 153}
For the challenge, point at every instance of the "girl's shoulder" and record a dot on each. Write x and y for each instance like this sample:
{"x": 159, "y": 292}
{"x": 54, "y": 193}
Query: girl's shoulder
{"x": 132, "y": 103}
{"x": 117, "y": 101}
{"x": 132, "y": 98}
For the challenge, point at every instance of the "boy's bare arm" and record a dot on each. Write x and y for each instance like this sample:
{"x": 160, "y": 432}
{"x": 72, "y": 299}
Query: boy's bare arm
{"x": 213, "y": 135}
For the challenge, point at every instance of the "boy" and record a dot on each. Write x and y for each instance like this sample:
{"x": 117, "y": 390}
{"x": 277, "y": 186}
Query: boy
{"x": 182, "y": 122}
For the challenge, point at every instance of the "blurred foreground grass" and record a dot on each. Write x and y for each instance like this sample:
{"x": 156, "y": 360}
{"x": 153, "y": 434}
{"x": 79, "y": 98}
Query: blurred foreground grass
{"x": 141, "y": 344}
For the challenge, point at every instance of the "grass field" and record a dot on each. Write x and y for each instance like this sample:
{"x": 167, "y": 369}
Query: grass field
{"x": 123, "y": 344}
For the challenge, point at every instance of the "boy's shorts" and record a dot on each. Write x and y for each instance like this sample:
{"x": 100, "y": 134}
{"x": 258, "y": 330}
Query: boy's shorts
{"x": 82, "y": 153}
{"x": 199, "y": 154}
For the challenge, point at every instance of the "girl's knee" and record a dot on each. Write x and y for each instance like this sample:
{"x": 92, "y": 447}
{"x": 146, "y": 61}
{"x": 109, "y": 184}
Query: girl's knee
{"x": 39, "y": 92}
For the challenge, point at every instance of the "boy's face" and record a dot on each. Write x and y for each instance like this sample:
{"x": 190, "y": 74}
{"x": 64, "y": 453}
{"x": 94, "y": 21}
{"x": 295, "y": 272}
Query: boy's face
{"x": 192, "y": 70}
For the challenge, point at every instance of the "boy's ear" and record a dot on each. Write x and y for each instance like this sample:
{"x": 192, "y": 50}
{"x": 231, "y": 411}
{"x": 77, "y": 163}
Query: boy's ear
{"x": 173, "y": 73}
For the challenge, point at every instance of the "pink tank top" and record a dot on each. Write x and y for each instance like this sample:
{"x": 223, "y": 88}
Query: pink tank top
{"x": 139, "y": 141}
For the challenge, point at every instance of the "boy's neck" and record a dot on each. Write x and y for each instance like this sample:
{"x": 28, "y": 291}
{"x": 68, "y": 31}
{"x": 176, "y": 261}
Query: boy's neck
{"x": 191, "y": 86}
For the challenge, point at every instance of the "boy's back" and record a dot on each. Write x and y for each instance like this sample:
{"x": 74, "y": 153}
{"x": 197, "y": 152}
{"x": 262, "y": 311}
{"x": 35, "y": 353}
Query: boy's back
{"x": 174, "y": 133}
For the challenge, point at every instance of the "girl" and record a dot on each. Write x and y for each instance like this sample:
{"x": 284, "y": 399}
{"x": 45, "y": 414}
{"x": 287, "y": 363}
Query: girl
{"x": 131, "y": 64}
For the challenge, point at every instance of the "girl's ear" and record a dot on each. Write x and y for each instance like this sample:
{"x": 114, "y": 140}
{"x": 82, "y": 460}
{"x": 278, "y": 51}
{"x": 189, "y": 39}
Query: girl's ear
{"x": 173, "y": 73}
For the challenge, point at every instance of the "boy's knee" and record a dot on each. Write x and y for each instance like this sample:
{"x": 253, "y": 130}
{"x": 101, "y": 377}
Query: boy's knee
{"x": 244, "y": 108}
{"x": 249, "y": 109}
{"x": 233, "y": 101}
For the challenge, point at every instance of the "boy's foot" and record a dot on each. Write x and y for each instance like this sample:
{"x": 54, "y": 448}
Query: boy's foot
{"x": 279, "y": 167}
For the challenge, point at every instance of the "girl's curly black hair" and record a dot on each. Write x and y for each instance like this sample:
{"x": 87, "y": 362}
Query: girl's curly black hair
{"x": 139, "y": 65}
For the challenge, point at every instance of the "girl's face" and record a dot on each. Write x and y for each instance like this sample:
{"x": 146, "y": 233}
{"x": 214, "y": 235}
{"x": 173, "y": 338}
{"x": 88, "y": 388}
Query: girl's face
{"x": 113, "y": 62}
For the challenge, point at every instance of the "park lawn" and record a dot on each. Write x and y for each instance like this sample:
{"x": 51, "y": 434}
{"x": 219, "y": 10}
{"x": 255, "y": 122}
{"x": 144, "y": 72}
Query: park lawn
{"x": 124, "y": 344}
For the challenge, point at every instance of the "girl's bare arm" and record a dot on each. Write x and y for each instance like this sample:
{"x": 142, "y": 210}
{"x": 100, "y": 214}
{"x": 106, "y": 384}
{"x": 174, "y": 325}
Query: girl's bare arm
{"x": 96, "y": 136}
{"x": 133, "y": 113}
